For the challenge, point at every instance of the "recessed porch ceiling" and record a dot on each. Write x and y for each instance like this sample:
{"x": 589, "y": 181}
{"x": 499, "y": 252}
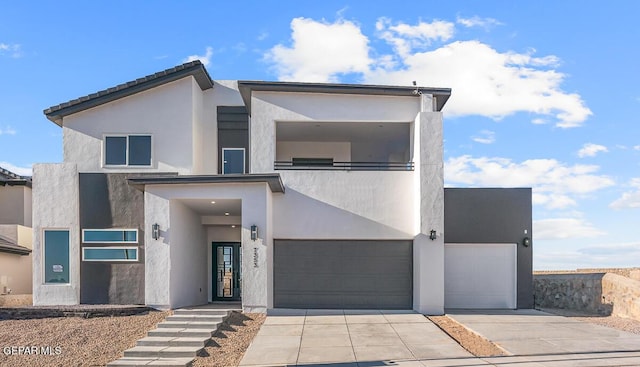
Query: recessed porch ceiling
{"x": 342, "y": 131}
{"x": 219, "y": 208}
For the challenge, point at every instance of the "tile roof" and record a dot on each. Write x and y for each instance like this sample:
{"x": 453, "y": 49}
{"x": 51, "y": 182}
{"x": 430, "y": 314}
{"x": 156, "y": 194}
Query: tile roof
{"x": 193, "y": 68}
{"x": 9, "y": 178}
{"x": 8, "y": 246}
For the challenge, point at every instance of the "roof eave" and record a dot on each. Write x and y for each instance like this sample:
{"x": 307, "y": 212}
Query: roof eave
{"x": 272, "y": 179}
{"x": 196, "y": 69}
{"x": 246, "y": 88}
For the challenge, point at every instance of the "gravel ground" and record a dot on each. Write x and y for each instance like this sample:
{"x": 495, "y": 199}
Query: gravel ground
{"x": 74, "y": 341}
{"x": 472, "y": 342}
{"x": 630, "y": 325}
{"x": 228, "y": 344}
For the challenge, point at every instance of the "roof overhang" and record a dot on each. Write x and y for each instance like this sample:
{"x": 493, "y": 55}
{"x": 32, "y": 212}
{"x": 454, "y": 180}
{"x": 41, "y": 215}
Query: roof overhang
{"x": 193, "y": 68}
{"x": 9, "y": 178}
{"x": 10, "y": 247}
{"x": 272, "y": 179}
{"x": 246, "y": 87}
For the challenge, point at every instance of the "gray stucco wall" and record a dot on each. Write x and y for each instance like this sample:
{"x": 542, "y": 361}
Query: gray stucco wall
{"x": 107, "y": 201}
{"x": 493, "y": 215}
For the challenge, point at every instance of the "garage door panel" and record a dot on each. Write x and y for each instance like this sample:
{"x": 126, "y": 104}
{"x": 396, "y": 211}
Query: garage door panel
{"x": 343, "y": 274}
{"x": 480, "y": 275}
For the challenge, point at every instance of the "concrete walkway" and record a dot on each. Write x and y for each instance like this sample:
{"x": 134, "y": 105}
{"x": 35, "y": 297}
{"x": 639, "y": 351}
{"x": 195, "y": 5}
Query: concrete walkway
{"x": 538, "y": 339}
{"x": 348, "y": 338}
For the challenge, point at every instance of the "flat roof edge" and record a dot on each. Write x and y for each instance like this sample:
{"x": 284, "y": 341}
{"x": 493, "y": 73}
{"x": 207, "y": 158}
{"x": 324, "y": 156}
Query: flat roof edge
{"x": 273, "y": 180}
{"x": 246, "y": 87}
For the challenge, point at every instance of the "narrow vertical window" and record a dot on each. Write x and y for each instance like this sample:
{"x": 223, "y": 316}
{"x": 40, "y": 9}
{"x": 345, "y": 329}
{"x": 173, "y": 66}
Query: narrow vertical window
{"x": 56, "y": 256}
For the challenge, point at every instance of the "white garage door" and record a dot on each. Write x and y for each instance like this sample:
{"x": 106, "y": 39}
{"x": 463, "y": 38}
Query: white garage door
{"x": 480, "y": 275}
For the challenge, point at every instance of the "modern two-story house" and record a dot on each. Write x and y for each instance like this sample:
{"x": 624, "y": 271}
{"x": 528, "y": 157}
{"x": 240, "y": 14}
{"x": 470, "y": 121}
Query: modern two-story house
{"x": 179, "y": 190}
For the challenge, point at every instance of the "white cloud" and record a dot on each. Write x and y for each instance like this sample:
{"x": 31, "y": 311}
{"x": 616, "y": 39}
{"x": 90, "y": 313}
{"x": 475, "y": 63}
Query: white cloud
{"x": 476, "y": 21}
{"x": 405, "y": 38}
{"x": 629, "y": 199}
{"x": 556, "y": 185}
{"x": 485, "y": 81}
{"x": 539, "y": 121}
{"x": 8, "y": 130}
{"x": 13, "y": 50}
{"x": 597, "y": 256}
{"x": 263, "y": 36}
{"x": 22, "y": 171}
{"x": 590, "y": 150}
{"x": 485, "y": 137}
{"x": 636, "y": 147}
{"x": 204, "y": 59}
{"x": 564, "y": 228}
{"x": 489, "y": 83}
{"x": 320, "y": 51}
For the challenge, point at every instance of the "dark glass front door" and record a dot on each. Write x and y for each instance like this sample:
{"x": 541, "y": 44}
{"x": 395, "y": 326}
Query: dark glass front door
{"x": 226, "y": 271}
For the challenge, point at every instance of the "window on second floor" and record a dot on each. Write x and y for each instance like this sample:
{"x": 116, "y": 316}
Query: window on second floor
{"x": 127, "y": 150}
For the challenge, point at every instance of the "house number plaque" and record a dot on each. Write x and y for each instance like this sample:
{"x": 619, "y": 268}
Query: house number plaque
{"x": 255, "y": 257}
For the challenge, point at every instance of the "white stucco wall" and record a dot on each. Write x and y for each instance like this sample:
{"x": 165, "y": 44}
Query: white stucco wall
{"x": 56, "y": 206}
{"x": 345, "y": 205}
{"x": 199, "y": 138}
{"x": 188, "y": 251}
{"x": 166, "y": 112}
{"x": 157, "y": 265}
{"x": 339, "y": 151}
{"x": 428, "y": 255}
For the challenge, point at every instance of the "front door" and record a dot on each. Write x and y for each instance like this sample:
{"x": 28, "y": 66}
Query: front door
{"x": 226, "y": 271}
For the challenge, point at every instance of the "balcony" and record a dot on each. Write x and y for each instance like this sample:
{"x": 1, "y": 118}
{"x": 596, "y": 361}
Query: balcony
{"x": 343, "y": 146}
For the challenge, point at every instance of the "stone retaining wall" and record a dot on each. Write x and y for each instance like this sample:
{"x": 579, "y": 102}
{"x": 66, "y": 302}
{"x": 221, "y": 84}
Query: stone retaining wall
{"x": 600, "y": 293}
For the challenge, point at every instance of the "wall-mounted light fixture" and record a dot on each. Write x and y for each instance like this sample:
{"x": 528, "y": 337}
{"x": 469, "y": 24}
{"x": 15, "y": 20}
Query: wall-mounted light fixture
{"x": 155, "y": 231}
{"x": 433, "y": 235}
{"x": 526, "y": 242}
{"x": 254, "y": 232}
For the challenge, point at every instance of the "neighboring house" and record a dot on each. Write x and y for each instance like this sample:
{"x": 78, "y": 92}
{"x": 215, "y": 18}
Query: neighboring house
{"x": 15, "y": 233}
{"x": 178, "y": 190}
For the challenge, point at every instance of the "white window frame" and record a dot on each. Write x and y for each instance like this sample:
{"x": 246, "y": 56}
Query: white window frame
{"x": 126, "y": 165}
{"x": 112, "y": 230}
{"x": 111, "y": 248}
{"x": 244, "y": 159}
{"x": 43, "y": 261}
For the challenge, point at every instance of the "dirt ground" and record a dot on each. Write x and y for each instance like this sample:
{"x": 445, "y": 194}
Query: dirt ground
{"x": 73, "y": 341}
{"x": 472, "y": 342}
{"x": 227, "y": 346}
{"x": 629, "y": 325}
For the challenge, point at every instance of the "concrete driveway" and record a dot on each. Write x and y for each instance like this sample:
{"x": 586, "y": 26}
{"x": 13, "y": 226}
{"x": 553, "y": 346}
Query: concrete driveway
{"x": 539, "y": 339}
{"x": 348, "y": 338}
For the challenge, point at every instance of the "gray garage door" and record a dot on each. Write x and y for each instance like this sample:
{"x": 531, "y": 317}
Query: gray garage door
{"x": 343, "y": 274}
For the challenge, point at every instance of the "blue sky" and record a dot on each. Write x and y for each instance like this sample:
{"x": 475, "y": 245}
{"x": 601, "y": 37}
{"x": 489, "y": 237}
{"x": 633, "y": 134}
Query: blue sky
{"x": 545, "y": 93}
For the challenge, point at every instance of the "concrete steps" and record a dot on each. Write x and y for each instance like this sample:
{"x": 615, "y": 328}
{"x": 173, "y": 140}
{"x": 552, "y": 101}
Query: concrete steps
{"x": 177, "y": 340}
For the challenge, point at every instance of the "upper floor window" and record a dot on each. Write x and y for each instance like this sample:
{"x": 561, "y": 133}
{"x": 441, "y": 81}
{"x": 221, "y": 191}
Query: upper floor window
{"x": 127, "y": 150}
